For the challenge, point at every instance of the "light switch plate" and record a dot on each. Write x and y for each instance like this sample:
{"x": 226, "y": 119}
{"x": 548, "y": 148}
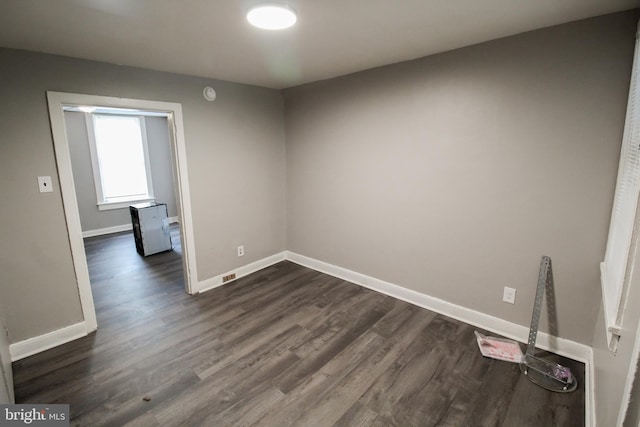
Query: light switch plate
{"x": 45, "y": 185}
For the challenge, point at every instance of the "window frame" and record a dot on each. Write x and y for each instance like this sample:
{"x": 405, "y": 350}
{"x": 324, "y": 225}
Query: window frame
{"x": 102, "y": 203}
{"x": 623, "y": 240}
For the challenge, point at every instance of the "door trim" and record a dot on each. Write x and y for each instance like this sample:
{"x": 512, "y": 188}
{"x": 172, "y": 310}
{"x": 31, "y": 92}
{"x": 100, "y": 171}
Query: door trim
{"x": 56, "y": 102}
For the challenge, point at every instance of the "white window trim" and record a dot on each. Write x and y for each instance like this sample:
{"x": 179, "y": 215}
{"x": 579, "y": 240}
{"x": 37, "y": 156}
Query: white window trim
{"x": 622, "y": 242}
{"x": 121, "y": 203}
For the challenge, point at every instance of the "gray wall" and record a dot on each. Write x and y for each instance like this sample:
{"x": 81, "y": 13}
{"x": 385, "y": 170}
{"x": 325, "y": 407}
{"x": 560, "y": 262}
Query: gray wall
{"x": 451, "y": 175}
{"x": 235, "y": 153}
{"x": 159, "y": 147}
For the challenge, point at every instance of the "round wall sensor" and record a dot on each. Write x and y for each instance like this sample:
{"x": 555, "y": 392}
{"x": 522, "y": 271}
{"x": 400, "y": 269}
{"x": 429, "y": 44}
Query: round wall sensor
{"x": 209, "y": 93}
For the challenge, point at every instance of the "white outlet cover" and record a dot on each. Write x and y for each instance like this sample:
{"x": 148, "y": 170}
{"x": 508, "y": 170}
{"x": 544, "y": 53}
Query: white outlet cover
{"x": 509, "y": 295}
{"x": 44, "y": 184}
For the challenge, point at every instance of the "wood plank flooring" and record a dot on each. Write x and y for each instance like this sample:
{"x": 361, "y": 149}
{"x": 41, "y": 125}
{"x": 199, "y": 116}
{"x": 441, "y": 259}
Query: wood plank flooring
{"x": 286, "y": 346}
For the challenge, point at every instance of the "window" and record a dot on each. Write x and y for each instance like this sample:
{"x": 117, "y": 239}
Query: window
{"x": 120, "y": 159}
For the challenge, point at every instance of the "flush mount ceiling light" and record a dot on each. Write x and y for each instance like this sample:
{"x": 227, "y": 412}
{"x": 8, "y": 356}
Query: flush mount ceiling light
{"x": 272, "y": 16}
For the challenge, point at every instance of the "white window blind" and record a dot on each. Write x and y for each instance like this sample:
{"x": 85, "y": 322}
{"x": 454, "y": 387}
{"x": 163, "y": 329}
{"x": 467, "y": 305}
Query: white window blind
{"x": 120, "y": 159}
{"x": 614, "y": 271}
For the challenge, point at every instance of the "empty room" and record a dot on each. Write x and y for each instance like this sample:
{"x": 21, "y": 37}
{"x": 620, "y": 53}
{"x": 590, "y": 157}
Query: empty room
{"x": 409, "y": 213}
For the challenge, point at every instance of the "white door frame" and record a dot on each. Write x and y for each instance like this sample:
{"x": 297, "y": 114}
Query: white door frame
{"x": 57, "y": 101}
{"x": 7, "y": 394}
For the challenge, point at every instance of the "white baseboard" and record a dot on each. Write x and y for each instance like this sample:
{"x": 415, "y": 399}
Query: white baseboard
{"x": 214, "y": 282}
{"x": 34, "y": 345}
{"x": 118, "y": 228}
{"x": 561, "y": 346}
{"x": 107, "y": 230}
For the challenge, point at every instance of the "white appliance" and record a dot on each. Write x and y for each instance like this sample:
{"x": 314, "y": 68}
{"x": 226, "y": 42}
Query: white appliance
{"x": 150, "y": 227}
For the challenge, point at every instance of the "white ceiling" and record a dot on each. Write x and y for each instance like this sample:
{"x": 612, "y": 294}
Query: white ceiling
{"x": 211, "y": 38}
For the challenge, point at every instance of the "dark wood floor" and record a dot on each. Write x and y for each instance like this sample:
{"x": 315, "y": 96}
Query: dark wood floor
{"x": 284, "y": 346}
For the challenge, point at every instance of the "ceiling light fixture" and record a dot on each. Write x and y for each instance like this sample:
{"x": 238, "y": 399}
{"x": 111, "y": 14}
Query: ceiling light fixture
{"x": 272, "y": 16}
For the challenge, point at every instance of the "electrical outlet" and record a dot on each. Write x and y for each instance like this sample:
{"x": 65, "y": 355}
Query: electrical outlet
{"x": 240, "y": 250}
{"x": 44, "y": 184}
{"x": 509, "y": 295}
{"x": 229, "y": 277}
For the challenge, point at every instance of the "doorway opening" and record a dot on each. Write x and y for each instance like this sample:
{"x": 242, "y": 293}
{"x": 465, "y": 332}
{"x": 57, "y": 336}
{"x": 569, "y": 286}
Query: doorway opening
{"x": 58, "y": 103}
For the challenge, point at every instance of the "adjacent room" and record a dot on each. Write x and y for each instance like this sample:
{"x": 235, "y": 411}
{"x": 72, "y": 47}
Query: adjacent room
{"x": 347, "y": 195}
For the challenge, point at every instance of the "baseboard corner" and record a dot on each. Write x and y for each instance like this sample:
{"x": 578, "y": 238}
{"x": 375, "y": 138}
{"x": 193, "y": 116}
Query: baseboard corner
{"x": 40, "y": 343}
{"x": 561, "y": 346}
{"x": 245, "y": 270}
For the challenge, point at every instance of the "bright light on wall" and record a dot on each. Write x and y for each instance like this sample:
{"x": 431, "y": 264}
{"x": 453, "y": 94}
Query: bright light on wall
{"x": 272, "y": 17}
